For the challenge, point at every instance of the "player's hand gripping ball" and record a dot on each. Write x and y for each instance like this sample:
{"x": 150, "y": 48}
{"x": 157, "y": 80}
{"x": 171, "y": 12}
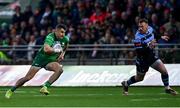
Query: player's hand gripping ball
{"x": 57, "y": 48}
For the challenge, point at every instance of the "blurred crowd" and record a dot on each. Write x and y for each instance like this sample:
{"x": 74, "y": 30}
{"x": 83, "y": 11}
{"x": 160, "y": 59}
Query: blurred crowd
{"x": 91, "y": 22}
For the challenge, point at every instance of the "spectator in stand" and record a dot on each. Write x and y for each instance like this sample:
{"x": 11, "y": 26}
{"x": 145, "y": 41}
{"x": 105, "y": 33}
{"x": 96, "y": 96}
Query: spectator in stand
{"x": 172, "y": 29}
{"x": 27, "y": 13}
{"x": 155, "y": 23}
{"x": 31, "y": 45}
{"x": 47, "y": 18}
{"x": 18, "y": 55}
{"x": 99, "y": 15}
{"x": 18, "y": 16}
{"x": 40, "y": 39}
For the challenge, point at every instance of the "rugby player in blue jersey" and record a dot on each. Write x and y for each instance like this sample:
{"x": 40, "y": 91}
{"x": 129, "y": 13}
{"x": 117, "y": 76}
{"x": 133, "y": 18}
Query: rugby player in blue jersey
{"x": 144, "y": 43}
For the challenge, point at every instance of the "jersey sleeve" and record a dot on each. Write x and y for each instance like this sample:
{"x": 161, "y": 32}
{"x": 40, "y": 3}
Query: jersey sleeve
{"x": 137, "y": 38}
{"x": 49, "y": 40}
{"x": 137, "y": 41}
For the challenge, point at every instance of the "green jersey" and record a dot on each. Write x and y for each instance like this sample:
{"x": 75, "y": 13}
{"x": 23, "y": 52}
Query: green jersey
{"x": 42, "y": 58}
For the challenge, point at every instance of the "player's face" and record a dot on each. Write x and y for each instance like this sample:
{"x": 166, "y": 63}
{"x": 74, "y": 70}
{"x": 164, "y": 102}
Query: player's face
{"x": 142, "y": 27}
{"x": 60, "y": 33}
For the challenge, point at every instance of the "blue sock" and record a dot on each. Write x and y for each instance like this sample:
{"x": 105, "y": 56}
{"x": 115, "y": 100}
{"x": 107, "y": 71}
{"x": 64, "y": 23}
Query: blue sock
{"x": 131, "y": 81}
{"x": 165, "y": 79}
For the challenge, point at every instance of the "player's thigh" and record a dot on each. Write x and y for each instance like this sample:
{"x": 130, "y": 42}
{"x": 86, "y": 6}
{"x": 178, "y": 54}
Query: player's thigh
{"x": 32, "y": 71}
{"x": 54, "y": 66}
{"x": 159, "y": 66}
{"x": 141, "y": 69}
{"x": 40, "y": 61}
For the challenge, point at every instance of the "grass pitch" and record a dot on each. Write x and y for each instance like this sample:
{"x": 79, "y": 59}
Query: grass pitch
{"x": 90, "y": 97}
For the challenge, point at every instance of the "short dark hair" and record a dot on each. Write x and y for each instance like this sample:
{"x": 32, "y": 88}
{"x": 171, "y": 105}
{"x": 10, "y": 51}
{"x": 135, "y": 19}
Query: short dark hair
{"x": 143, "y": 20}
{"x": 59, "y": 26}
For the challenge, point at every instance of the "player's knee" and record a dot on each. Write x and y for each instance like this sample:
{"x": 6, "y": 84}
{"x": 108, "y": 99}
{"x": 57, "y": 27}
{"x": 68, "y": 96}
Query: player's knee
{"x": 59, "y": 68}
{"x": 139, "y": 78}
{"x": 164, "y": 72}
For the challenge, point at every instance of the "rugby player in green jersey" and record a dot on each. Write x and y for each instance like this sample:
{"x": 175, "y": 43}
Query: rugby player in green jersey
{"x": 48, "y": 57}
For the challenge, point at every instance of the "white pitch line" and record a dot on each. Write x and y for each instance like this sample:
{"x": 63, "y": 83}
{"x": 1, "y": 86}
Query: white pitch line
{"x": 145, "y": 94}
{"x": 31, "y": 92}
{"x": 67, "y": 95}
{"x": 21, "y": 91}
{"x": 150, "y": 99}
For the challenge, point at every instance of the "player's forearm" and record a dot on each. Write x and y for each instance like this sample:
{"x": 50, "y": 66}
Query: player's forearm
{"x": 50, "y": 50}
{"x": 64, "y": 50}
{"x": 63, "y": 53}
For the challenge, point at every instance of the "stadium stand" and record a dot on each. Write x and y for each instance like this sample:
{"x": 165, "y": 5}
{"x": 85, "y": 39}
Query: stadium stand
{"x": 98, "y": 23}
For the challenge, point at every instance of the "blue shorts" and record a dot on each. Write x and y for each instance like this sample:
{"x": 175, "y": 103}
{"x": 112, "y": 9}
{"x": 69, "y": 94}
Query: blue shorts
{"x": 144, "y": 62}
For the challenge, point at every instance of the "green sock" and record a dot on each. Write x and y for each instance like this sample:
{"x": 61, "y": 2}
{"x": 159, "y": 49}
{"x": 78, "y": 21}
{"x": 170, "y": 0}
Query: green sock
{"x": 13, "y": 88}
{"x": 47, "y": 84}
